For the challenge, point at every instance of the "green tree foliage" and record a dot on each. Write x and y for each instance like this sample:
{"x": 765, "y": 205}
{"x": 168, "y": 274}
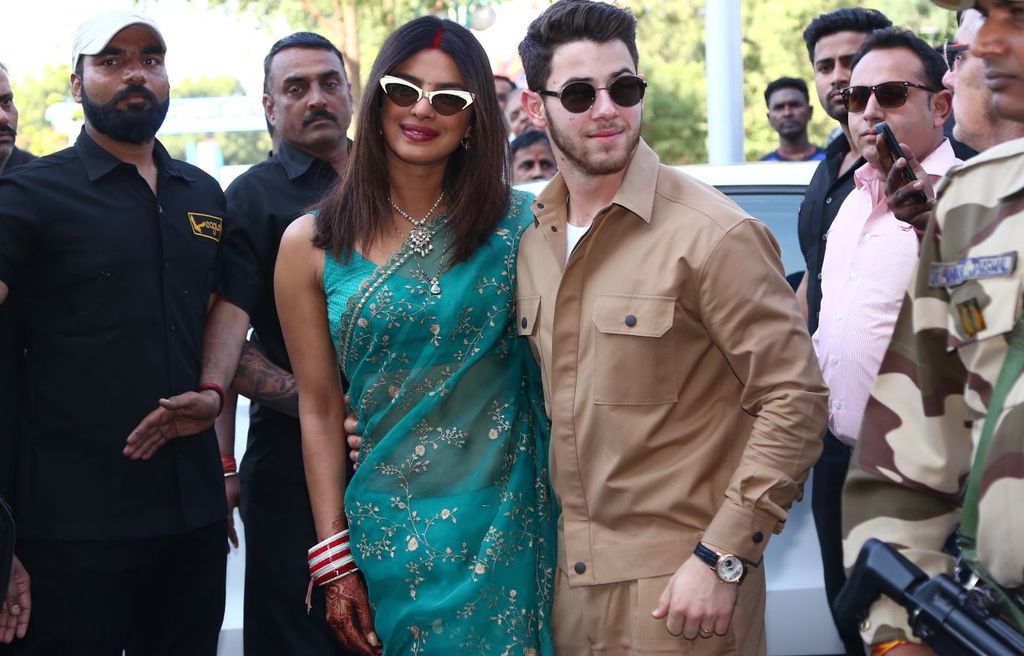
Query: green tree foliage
{"x": 33, "y": 95}
{"x": 357, "y": 27}
{"x": 670, "y": 38}
{"x": 671, "y": 42}
{"x": 237, "y": 147}
{"x": 773, "y": 46}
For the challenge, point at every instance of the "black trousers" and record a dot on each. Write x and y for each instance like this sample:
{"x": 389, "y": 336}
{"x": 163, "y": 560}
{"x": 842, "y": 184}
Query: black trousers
{"x": 826, "y": 505}
{"x": 143, "y": 597}
{"x": 279, "y": 529}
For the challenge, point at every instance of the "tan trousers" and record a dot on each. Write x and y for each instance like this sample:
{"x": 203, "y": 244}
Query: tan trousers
{"x": 615, "y": 620}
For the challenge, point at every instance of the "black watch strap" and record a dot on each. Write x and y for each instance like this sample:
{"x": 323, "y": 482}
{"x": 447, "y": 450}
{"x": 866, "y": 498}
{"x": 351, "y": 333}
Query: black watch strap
{"x": 706, "y": 555}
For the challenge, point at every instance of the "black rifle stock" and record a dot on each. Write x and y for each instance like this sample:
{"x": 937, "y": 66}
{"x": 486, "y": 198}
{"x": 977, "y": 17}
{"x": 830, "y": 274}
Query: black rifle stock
{"x": 950, "y": 618}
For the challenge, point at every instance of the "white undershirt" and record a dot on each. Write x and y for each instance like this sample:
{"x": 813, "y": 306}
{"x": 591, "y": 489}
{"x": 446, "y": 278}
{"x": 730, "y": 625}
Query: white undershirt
{"x": 573, "y": 235}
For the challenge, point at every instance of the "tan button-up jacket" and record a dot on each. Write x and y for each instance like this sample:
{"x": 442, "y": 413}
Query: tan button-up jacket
{"x": 685, "y": 398}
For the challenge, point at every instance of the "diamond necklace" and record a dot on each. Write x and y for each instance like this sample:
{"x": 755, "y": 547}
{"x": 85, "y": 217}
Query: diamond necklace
{"x": 419, "y": 237}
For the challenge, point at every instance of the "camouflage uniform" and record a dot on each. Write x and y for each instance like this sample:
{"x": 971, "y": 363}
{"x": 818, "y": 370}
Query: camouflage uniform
{"x": 929, "y": 402}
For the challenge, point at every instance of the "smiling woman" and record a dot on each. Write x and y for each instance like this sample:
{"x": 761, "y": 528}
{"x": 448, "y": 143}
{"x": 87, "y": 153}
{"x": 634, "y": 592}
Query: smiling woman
{"x": 404, "y": 279}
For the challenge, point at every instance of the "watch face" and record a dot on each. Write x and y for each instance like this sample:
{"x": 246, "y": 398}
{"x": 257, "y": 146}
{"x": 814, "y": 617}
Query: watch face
{"x": 730, "y": 568}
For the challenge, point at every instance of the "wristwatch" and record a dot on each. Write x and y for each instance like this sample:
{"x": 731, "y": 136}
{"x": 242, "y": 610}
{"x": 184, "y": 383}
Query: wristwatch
{"x": 729, "y": 568}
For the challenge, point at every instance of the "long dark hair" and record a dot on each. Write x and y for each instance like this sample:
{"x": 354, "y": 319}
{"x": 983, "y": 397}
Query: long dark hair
{"x": 476, "y": 179}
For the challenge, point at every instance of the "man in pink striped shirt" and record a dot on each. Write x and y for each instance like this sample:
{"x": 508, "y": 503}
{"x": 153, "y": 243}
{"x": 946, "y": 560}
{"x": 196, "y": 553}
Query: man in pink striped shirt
{"x": 896, "y": 78}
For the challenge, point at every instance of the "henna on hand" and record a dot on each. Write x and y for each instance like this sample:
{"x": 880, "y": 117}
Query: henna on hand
{"x": 348, "y": 614}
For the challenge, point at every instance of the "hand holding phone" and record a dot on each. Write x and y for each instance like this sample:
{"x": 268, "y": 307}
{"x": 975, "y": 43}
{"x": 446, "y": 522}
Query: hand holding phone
{"x": 889, "y": 154}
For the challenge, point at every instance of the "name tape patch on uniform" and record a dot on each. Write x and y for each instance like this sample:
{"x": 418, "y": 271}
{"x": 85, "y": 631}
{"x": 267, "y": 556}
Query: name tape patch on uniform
{"x": 206, "y": 225}
{"x": 971, "y": 319}
{"x": 951, "y": 274}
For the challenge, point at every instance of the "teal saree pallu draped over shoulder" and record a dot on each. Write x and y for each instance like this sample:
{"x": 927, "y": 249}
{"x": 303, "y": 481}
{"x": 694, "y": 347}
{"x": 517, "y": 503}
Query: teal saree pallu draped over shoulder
{"x": 450, "y": 512}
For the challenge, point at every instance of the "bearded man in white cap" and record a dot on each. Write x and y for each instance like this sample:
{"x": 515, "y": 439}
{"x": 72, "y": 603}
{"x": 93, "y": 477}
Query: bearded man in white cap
{"x": 110, "y": 247}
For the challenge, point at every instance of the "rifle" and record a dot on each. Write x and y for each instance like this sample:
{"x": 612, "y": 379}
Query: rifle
{"x": 954, "y": 620}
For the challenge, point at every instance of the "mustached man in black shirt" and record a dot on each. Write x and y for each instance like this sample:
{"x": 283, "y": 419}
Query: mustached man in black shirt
{"x": 10, "y": 156}
{"x": 111, "y": 248}
{"x": 309, "y": 106}
{"x": 12, "y": 350}
{"x": 832, "y": 41}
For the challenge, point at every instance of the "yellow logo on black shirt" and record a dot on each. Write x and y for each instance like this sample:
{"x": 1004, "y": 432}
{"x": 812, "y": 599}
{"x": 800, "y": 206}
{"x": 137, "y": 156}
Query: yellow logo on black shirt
{"x": 206, "y": 225}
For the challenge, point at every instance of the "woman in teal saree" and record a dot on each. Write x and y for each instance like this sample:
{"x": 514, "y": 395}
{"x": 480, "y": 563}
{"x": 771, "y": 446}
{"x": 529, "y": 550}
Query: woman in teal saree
{"x": 405, "y": 280}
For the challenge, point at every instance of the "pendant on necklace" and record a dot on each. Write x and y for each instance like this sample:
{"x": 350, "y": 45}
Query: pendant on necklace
{"x": 419, "y": 240}
{"x": 435, "y": 286}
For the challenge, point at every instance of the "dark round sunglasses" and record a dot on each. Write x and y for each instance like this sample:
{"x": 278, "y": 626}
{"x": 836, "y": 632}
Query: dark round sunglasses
{"x": 889, "y": 95}
{"x": 404, "y": 93}
{"x": 578, "y": 97}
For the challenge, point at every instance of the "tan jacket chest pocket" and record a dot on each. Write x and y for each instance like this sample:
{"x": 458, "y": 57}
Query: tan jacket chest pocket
{"x": 635, "y": 361}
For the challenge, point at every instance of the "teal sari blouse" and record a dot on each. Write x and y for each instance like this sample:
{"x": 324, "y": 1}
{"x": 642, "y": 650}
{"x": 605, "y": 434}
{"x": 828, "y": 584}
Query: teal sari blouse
{"x": 450, "y": 511}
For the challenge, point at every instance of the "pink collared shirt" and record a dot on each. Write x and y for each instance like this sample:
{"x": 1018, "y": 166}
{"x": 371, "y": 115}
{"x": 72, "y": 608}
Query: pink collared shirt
{"x": 869, "y": 256}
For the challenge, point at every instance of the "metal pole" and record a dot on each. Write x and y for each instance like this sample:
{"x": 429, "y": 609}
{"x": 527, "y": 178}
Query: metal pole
{"x": 725, "y": 81}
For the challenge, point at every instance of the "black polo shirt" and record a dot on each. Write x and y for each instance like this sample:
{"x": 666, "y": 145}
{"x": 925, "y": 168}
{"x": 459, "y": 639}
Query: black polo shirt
{"x": 113, "y": 284}
{"x": 262, "y": 203}
{"x": 11, "y": 360}
{"x": 17, "y": 158}
{"x": 824, "y": 196}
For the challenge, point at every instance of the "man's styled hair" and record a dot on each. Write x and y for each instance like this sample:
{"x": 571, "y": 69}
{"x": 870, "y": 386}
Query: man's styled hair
{"x": 298, "y": 40}
{"x": 896, "y": 37}
{"x": 848, "y": 19}
{"x": 785, "y": 83}
{"x": 527, "y": 139}
{"x": 568, "y": 21}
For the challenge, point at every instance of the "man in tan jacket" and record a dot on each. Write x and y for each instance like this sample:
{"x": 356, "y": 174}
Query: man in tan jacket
{"x": 685, "y": 400}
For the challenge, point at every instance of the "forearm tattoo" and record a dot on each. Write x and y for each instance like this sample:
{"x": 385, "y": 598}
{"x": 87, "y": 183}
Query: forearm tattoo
{"x": 265, "y": 382}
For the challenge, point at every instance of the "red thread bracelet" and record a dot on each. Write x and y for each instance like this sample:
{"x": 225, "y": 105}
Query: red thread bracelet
{"x": 214, "y": 387}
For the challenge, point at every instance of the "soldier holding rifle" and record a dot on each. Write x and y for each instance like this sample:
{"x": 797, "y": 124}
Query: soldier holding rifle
{"x": 939, "y": 447}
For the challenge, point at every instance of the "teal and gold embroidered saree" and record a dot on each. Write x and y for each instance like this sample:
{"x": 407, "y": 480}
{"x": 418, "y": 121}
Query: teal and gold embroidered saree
{"x": 450, "y": 514}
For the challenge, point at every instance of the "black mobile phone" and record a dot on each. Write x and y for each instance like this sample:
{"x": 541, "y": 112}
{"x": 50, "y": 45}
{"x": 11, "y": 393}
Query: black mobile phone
{"x": 887, "y": 158}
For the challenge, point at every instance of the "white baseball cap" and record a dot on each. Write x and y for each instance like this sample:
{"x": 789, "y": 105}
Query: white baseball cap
{"x": 95, "y": 33}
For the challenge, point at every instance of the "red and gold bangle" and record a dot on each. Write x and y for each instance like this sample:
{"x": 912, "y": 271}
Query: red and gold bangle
{"x": 337, "y": 572}
{"x": 230, "y": 468}
{"x": 883, "y": 648}
{"x": 331, "y": 559}
{"x": 214, "y": 387}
